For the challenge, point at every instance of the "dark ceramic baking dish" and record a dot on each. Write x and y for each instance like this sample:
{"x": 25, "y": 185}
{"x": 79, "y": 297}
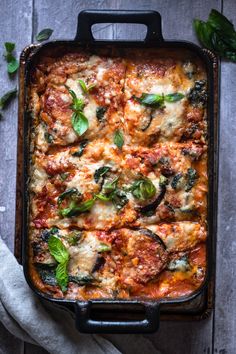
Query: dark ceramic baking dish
{"x": 136, "y": 315}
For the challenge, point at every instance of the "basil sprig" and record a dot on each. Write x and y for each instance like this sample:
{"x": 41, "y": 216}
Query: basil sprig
{"x": 86, "y": 88}
{"x": 158, "y": 101}
{"x": 7, "y": 97}
{"x": 12, "y": 62}
{"x": 44, "y": 34}
{"x": 73, "y": 206}
{"x": 61, "y": 255}
{"x": 111, "y": 192}
{"x": 217, "y": 34}
{"x": 143, "y": 189}
{"x": 79, "y": 121}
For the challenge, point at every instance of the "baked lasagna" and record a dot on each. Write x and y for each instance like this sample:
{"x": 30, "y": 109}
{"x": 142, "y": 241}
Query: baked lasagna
{"x": 118, "y": 174}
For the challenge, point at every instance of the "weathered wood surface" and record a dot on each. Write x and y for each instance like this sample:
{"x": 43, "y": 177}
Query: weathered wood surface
{"x": 15, "y": 26}
{"x": 20, "y": 21}
{"x": 225, "y": 308}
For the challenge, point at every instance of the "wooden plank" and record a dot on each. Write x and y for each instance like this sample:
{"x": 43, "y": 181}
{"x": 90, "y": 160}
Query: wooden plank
{"x": 15, "y": 26}
{"x": 225, "y": 307}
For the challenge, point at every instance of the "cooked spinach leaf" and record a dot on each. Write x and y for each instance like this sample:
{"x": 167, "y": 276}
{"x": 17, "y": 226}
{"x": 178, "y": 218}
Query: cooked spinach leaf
{"x": 198, "y": 94}
{"x": 80, "y": 151}
{"x": 101, "y": 172}
{"x": 191, "y": 177}
{"x": 175, "y": 180}
{"x": 48, "y": 137}
{"x": 100, "y": 112}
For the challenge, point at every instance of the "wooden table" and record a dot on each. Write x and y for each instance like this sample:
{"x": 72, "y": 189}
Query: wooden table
{"x": 20, "y": 22}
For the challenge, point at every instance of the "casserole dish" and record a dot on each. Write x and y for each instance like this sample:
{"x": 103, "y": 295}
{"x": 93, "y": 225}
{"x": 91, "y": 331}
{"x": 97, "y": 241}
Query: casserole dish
{"x": 146, "y": 321}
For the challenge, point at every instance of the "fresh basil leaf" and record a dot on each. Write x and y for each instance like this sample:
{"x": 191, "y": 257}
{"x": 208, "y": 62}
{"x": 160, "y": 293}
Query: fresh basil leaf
{"x": 220, "y": 23}
{"x": 100, "y": 112}
{"x": 76, "y": 209}
{"x": 62, "y": 275}
{"x": 57, "y": 249}
{"x": 151, "y": 100}
{"x": 83, "y": 86}
{"x": 118, "y": 139}
{"x": 100, "y": 172}
{"x": 7, "y": 97}
{"x": 79, "y": 122}
{"x": 143, "y": 189}
{"x": 174, "y": 97}
{"x": 80, "y": 151}
{"x": 44, "y": 34}
{"x": 103, "y": 247}
{"x": 103, "y": 197}
{"x": 9, "y": 46}
{"x": 12, "y": 66}
{"x": 217, "y": 34}
{"x": 77, "y": 103}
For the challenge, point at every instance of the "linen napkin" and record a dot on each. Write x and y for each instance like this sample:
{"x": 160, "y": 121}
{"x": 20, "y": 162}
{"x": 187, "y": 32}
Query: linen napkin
{"x": 48, "y": 325}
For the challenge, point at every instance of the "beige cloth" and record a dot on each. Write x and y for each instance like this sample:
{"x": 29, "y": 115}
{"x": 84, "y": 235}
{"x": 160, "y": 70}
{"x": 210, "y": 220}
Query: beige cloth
{"x": 50, "y": 326}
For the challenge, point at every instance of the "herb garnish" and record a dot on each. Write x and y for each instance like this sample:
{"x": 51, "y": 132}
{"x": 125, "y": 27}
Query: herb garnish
{"x": 7, "y": 97}
{"x": 143, "y": 189}
{"x": 79, "y": 121}
{"x": 217, "y": 34}
{"x": 85, "y": 88}
{"x": 118, "y": 138}
{"x": 44, "y": 34}
{"x": 12, "y": 62}
{"x": 158, "y": 101}
{"x": 61, "y": 255}
{"x": 101, "y": 172}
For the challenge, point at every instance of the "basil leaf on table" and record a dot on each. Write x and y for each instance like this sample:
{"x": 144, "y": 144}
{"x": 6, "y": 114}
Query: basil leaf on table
{"x": 12, "y": 62}
{"x": 118, "y": 139}
{"x": 9, "y": 46}
{"x": 44, "y": 34}
{"x": 7, "y": 97}
{"x": 217, "y": 34}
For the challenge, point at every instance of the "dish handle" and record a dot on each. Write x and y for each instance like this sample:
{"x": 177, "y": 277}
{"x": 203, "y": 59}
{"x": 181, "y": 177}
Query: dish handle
{"x": 99, "y": 316}
{"x": 87, "y": 18}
